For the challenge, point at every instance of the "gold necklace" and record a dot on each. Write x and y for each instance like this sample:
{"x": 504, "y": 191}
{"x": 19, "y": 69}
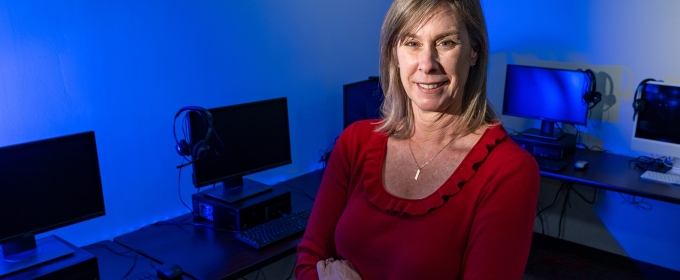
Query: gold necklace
{"x": 435, "y": 155}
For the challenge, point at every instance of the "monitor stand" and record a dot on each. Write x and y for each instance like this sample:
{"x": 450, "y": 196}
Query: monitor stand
{"x": 547, "y": 131}
{"x": 47, "y": 248}
{"x": 537, "y": 133}
{"x": 234, "y": 194}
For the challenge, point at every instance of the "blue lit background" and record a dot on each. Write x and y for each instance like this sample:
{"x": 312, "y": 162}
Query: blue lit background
{"x": 124, "y": 68}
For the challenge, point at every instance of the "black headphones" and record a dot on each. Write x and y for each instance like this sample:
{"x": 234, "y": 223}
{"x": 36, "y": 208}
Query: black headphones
{"x": 592, "y": 95}
{"x": 639, "y": 103}
{"x": 198, "y": 148}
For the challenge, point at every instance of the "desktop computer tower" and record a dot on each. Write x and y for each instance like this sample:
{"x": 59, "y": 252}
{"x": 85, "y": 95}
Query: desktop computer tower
{"x": 242, "y": 214}
{"x": 553, "y": 149}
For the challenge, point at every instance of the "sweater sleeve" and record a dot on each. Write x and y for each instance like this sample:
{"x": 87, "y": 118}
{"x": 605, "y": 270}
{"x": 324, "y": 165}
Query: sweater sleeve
{"x": 318, "y": 242}
{"x": 500, "y": 238}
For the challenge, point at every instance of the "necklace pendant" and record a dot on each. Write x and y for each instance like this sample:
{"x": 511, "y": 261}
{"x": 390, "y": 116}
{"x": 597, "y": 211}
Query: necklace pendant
{"x": 417, "y": 173}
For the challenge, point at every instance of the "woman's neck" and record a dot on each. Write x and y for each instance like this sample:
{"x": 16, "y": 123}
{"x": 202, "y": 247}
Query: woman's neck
{"x": 434, "y": 128}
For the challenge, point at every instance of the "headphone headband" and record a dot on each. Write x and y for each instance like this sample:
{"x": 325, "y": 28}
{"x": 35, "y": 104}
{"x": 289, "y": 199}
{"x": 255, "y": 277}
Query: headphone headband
{"x": 639, "y": 103}
{"x": 592, "y": 95}
{"x": 196, "y": 149}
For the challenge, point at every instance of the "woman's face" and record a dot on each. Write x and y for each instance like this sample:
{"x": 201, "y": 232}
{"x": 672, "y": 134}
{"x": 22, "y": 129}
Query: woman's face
{"x": 434, "y": 62}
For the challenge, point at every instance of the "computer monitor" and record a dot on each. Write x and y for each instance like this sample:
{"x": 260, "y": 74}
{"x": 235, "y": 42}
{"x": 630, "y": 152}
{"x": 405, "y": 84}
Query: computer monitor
{"x": 362, "y": 100}
{"x": 547, "y": 94}
{"x": 248, "y": 138}
{"x": 46, "y": 185}
{"x": 656, "y": 126}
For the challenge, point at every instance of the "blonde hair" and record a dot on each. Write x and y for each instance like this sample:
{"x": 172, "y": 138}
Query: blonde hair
{"x": 402, "y": 17}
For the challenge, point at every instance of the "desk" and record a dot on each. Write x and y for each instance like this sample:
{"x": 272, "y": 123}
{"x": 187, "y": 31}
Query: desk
{"x": 115, "y": 260}
{"x": 614, "y": 173}
{"x": 207, "y": 253}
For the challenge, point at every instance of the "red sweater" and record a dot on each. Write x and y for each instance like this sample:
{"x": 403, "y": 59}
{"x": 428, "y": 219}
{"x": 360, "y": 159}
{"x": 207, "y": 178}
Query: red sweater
{"x": 477, "y": 225}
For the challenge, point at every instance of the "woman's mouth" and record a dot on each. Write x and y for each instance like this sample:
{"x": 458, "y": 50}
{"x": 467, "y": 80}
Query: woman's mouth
{"x": 431, "y": 86}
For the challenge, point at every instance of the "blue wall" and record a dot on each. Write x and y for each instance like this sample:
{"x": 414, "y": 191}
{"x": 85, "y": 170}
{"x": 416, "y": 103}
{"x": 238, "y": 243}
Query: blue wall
{"x": 124, "y": 68}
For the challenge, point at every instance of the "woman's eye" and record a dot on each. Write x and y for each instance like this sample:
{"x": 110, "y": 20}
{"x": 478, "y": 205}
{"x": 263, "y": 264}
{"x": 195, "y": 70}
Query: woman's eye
{"x": 411, "y": 44}
{"x": 448, "y": 43}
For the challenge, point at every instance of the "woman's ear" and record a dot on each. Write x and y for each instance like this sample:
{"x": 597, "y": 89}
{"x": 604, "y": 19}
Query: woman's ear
{"x": 473, "y": 56}
{"x": 474, "y": 53}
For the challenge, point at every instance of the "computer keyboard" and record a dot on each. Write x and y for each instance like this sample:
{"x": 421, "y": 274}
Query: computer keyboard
{"x": 275, "y": 230}
{"x": 661, "y": 177}
{"x": 551, "y": 164}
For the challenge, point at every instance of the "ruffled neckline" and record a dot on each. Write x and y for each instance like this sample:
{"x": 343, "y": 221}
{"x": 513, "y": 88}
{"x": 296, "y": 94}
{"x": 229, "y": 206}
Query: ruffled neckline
{"x": 400, "y": 206}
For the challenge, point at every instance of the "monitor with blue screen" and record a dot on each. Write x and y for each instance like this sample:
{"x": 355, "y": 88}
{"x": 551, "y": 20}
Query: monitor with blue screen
{"x": 547, "y": 94}
{"x": 656, "y": 126}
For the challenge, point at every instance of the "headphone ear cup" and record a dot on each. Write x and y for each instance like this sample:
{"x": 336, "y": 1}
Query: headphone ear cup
{"x": 597, "y": 97}
{"x": 199, "y": 149}
{"x": 638, "y": 105}
{"x": 592, "y": 97}
{"x": 183, "y": 148}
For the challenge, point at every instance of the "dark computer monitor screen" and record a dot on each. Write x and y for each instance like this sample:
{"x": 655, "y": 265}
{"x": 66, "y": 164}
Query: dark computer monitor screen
{"x": 546, "y": 94}
{"x": 362, "y": 100}
{"x": 248, "y": 138}
{"x": 48, "y": 184}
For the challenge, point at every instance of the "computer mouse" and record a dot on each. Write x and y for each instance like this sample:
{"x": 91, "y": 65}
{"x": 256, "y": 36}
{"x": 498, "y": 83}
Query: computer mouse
{"x": 581, "y": 164}
{"x": 169, "y": 271}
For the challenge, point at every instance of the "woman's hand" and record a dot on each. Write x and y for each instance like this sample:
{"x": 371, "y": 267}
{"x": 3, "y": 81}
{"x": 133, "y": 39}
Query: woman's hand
{"x": 340, "y": 269}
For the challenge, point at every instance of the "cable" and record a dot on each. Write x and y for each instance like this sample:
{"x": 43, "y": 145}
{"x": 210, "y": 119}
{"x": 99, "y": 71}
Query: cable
{"x": 569, "y": 187}
{"x": 299, "y": 190}
{"x": 292, "y": 270}
{"x": 538, "y": 214}
{"x": 554, "y": 200}
{"x": 639, "y": 204}
{"x": 584, "y": 146}
{"x": 644, "y": 163}
{"x": 540, "y": 219}
{"x": 179, "y": 187}
{"x": 564, "y": 210}
{"x": 592, "y": 201}
{"x": 325, "y": 155}
{"x": 134, "y": 263}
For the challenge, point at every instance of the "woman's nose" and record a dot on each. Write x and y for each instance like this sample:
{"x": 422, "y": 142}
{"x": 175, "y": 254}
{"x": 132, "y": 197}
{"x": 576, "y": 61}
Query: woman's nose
{"x": 427, "y": 60}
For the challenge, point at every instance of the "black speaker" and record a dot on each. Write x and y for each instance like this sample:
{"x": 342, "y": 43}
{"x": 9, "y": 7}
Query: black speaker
{"x": 195, "y": 149}
{"x": 638, "y": 102}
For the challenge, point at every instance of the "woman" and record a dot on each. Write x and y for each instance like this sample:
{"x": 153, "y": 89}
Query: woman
{"x": 436, "y": 189}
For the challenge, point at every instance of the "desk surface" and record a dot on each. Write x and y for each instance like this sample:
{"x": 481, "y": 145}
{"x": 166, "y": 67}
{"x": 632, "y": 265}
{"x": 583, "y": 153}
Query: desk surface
{"x": 615, "y": 173}
{"x": 115, "y": 260}
{"x": 207, "y": 253}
